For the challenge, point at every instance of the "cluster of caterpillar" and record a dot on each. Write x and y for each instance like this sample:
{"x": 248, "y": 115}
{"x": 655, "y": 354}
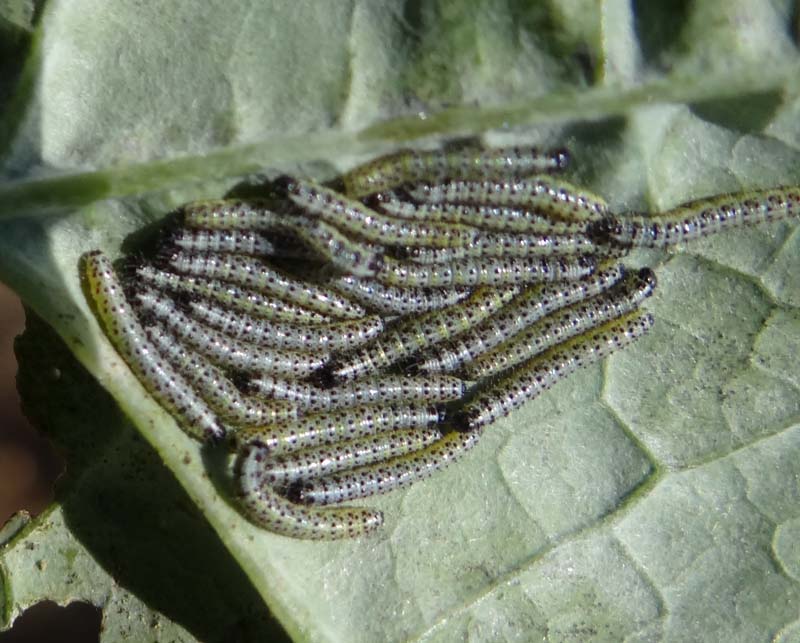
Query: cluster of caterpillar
{"x": 355, "y": 337}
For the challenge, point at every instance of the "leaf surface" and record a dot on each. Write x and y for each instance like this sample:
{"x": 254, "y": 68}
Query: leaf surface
{"x": 654, "y": 496}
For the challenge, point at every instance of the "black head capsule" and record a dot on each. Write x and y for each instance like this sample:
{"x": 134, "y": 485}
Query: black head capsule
{"x": 284, "y": 185}
{"x": 561, "y": 159}
{"x": 242, "y": 381}
{"x": 599, "y": 232}
{"x": 615, "y": 231}
{"x": 213, "y": 438}
{"x": 165, "y": 257}
{"x": 462, "y": 421}
{"x": 128, "y": 265}
{"x": 375, "y": 262}
{"x": 294, "y": 492}
{"x": 336, "y": 184}
{"x": 649, "y": 277}
{"x": 325, "y": 377}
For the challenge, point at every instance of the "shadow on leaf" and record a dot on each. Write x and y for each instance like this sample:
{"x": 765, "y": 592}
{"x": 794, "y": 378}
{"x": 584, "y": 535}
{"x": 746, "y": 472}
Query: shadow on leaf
{"x": 126, "y": 508}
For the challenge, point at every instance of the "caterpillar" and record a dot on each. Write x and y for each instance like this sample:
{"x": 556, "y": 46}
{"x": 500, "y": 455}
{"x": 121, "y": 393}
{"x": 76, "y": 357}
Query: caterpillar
{"x": 698, "y": 218}
{"x": 241, "y": 299}
{"x": 540, "y": 373}
{"x": 387, "y": 389}
{"x": 225, "y": 351}
{"x": 259, "y": 277}
{"x": 391, "y": 474}
{"x": 331, "y": 336}
{"x": 482, "y": 271}
{"x": 123, "y": 329}
{"x": 501, "y": 244}
{"x": 317, "y": 462}
{"x": 487, "y": 217}
{"x": 411, "y": 166}
{"x": 345, "y": 253}
{"x": 560, "y": 200}
{"x": 414, "y": 334}
{"x": 356, "y": 218}
{"x": 214, "y": 387}
{"x": 337, "y": 426}
{"x": 526, "y": 309}
{"x": 231, "y": 214}
{"x": 265, "y": 507}
{"x": 564, "y": 324}
{"x": 246, "y": 242}
{"x": 235, "y": 241}
{"x": 391, "y": 300}
{"x": 348, "y": 255}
